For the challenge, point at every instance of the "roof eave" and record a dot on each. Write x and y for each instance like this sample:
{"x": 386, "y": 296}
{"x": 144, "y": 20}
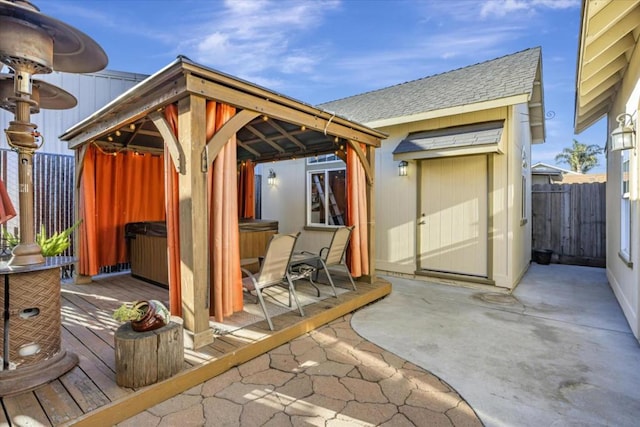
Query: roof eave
{"x": 450, "y": 111}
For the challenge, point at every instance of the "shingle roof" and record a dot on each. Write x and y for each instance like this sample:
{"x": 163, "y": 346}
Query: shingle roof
{"x": 498, "y": 78}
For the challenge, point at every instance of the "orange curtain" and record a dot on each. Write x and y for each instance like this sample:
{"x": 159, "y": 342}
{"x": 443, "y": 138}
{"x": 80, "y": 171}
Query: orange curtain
{"x": 224, "y": 238}
{"x": 115, "y": 190}
{"x": 358, "y": 254}
{"x": 246, "y": 190}
{"x": 172, "y": 207}
{"x": 7, "y": 211}
{"x": 88, "y": 250}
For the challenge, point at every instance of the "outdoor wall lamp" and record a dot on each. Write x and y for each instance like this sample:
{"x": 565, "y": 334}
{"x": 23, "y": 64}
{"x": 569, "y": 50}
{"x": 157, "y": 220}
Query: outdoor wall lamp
{"x": 623, "y": 137}
{"x": 271, "y": 179}
{"x": 402, "y": 168}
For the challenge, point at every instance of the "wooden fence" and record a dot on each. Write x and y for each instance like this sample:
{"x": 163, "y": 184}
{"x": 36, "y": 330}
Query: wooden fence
{"x": 570, "y": 220}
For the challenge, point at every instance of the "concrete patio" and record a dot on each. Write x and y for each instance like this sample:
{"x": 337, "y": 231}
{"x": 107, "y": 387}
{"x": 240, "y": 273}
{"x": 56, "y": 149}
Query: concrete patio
{"x": 558, "y": 351}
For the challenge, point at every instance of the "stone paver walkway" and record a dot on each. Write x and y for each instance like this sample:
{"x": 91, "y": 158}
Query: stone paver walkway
{"x": 328, "y": 377}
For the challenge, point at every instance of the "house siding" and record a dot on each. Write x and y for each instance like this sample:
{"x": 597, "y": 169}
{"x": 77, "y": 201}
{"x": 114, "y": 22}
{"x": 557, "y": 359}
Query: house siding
{"x": 625, "y": 279}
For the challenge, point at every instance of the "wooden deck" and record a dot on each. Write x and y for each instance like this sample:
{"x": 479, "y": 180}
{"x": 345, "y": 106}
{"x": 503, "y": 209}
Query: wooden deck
{"x": 88, "y": 394}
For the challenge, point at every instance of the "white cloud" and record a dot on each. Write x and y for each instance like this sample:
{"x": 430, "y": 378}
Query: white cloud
{"x": 501, "y": 8}
{"x": 252, "y": 38}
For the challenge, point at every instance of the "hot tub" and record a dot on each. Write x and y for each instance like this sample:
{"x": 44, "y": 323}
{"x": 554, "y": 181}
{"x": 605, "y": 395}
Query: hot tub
{"x": 147, "y": 242}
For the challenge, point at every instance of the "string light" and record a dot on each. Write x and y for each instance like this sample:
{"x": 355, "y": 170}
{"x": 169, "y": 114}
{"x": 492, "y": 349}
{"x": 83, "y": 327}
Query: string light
{"x": 108, "y": 153}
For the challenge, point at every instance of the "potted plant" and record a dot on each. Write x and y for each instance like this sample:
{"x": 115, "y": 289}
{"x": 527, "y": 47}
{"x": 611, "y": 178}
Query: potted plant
{"x": 50, "y": 246}
{"x": 145, "y": 315}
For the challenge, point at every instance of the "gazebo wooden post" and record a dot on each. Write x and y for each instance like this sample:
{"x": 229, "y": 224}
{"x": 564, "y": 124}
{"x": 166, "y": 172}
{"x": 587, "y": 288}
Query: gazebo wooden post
{"x": 194, "y": 246}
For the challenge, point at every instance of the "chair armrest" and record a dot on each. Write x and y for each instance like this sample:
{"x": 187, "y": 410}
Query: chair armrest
{"x": 244, "y": 270}
{"x": 254, "y": 282}
{"x": 323, "y": 250}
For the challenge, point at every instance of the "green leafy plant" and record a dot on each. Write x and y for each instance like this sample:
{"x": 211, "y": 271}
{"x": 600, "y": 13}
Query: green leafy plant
{"x": 12, "y": 241}
{"x": 130, "y": 312}
{"x": 50, "y": 246}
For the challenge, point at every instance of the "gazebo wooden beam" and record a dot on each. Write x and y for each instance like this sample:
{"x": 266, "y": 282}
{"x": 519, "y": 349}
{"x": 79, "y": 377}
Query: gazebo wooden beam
{"x": 327, "y": 124}
{"x": 220, "y": 138}
{"x": 286, "y": 134}
{"x": 138, "y": 108}
{"x": 363, "y": 159}
{"x": 263, "y": 138}
{"x": 173, "y": 145}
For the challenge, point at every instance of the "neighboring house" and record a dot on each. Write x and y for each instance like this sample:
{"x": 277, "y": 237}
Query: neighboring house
{"x": 462, "y": 212}
{"x": 583, "y": 178}
{"x": 92, "y": 91}
{"x": 608, "y": 84}
{"x": 542, "y": 173}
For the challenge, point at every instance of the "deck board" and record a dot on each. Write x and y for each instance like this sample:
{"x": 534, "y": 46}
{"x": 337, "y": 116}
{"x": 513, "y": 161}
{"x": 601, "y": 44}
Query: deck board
{"x": 57, "y": 403}
{"x": 84, "y": 390}
{"x": 88, "y": 394}
{"x": 102, "y": 375}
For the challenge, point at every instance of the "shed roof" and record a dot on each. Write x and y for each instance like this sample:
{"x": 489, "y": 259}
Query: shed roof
{"x": 445, "y": 140}
{"x": 503, "y": 78}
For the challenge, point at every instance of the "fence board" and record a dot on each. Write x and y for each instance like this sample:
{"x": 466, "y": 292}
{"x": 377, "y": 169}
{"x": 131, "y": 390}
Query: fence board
{"x": 570, "y": 220}
{"x": 52, "y": 188}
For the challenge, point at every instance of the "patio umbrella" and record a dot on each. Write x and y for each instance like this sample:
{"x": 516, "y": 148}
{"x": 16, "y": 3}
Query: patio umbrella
{"x": 7, "y": 211}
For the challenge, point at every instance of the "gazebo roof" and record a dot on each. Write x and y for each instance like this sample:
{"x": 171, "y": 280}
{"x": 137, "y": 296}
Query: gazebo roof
{"x": 283, "y": 128}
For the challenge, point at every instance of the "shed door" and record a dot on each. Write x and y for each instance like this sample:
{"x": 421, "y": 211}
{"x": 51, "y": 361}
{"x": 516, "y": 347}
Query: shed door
{"x": 452, "y": 227}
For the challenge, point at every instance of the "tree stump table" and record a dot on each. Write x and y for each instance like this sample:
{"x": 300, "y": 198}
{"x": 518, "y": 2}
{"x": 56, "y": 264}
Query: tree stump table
{"x": 144, "y": 358}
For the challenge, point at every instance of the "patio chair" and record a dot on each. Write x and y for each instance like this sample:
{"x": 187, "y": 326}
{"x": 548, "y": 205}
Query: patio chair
{"x": 334, "y": 255}
{"x": 274, "y": 271}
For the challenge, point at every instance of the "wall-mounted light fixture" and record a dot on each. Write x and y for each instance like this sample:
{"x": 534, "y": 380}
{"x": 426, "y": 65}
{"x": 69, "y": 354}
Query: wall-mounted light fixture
{"x": 402, "y": 168}
{"x": 623, "y": 137}
{"x": 271, "y": 179}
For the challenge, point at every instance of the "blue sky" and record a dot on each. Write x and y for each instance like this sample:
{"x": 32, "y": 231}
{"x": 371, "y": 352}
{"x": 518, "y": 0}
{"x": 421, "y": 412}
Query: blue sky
{"x": 318, "y": 51}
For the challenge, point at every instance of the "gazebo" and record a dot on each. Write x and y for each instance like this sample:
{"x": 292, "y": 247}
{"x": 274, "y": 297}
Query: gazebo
{"x": 173, "y": 148}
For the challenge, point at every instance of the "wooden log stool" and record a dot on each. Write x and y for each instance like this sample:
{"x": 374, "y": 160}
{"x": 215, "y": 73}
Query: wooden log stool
{"x": 144, "y": 358}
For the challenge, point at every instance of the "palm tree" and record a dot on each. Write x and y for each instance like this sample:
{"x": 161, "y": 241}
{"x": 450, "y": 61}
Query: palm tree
{"x": 580, "y": 157}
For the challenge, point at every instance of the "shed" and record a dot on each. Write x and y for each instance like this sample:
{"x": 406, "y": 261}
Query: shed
{"x": 462, "y": 212}
{"x": 169, "y": 149}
